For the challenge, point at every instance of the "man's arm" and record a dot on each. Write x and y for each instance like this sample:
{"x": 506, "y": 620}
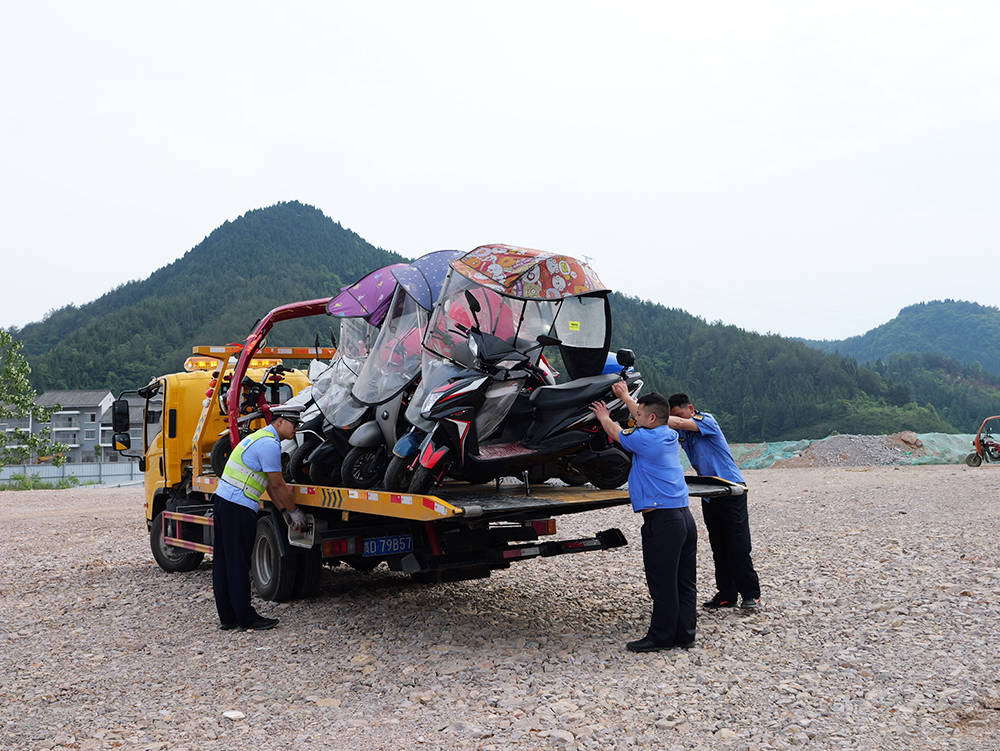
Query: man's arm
{"x": 683, "y": 423}
{"x": 613, "y": 429}
{"x": 279, "y": 491}
{"x": 621, "y": 391}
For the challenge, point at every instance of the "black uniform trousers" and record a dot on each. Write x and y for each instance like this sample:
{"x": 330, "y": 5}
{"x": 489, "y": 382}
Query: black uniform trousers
{"x": 728, "y": 525}
{"x": 669, "y": 550}
{"x": 235, "y": 528}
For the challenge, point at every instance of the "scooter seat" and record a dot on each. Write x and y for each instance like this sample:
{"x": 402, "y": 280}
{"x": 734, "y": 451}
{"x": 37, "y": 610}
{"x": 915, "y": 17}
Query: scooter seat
{"x": 576, "y": 392}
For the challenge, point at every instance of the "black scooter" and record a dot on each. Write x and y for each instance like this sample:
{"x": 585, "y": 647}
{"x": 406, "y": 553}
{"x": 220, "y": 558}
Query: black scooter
{"x": 490, "y": 423}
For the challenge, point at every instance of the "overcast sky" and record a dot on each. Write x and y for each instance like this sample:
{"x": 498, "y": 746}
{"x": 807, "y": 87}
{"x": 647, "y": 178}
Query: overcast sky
{"x": 800, "y": 168}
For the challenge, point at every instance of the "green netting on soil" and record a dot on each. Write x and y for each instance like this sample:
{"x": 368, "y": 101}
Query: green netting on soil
{"x": 937, "y": 448}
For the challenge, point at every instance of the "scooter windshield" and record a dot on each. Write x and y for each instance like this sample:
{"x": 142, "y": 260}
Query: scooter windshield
{"x": 332, "y": 388}
{"x": 395, "y": 357}
{"x": 517, "y": 322}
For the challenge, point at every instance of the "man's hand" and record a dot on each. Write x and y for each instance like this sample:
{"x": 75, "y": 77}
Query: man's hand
{"x": 620, "y": 389}
{"x": 296, "y": 519}
{"x": 600, "y": 410}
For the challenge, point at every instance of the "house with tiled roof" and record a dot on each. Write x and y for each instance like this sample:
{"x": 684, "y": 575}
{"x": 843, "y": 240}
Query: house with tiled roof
{"x": 82, "y": 422}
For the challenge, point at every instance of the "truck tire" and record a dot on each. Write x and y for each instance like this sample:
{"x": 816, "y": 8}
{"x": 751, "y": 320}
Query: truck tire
{"x": 272, "y": 573}
{"x": 221, "y": 450}
{"x": 398, "y": 475}
{"x": 363, "y": 467}
{"x": 973, "y": 459}
{"x": 167, "y": 556}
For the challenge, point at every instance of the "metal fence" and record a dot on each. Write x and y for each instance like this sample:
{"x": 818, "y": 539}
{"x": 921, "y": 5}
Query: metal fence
{"x": 88, "y": 473}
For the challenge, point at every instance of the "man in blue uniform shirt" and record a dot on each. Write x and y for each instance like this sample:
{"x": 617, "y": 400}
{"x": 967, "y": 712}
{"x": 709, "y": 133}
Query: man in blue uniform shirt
{"x": 253, "y": 467}
{"x": 726, "y": 519}
{"x": 659, "y": 492}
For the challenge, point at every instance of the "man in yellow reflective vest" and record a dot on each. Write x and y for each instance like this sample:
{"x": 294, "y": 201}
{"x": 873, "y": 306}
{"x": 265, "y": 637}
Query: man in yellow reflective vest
{"x": 253, "y": 467}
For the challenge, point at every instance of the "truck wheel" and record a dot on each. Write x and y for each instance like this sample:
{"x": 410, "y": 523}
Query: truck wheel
{"x": 170, "y": 558}
{"x": 273, "y": 574}
{"x": 973, "y": 459}
{"x": 221, "y": 450}
{"x": 363, "y": 467}
{"x": 398, "y": 475}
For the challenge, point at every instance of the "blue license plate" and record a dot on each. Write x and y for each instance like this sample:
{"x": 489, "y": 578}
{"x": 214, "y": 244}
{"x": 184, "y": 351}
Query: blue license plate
{"x": 390, "y": 545}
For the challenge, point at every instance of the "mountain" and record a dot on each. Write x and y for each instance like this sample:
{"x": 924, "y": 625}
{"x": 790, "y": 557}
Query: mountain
{"x": 962, "y": 331}
{"x": 761, "y": 387}
{"x": 212, "y": 295}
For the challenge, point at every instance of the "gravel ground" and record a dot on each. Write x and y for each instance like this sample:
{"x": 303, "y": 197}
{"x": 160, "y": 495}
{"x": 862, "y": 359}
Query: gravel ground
{"x": 879, "y": 630}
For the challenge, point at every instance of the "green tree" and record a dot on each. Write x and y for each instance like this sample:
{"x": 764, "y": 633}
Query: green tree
{"x": 17, "y": 401}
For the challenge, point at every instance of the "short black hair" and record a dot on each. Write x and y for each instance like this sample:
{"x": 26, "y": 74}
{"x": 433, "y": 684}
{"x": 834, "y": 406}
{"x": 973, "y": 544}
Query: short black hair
{"x": 678, "y": 400}
{"x": 657, "y": 404}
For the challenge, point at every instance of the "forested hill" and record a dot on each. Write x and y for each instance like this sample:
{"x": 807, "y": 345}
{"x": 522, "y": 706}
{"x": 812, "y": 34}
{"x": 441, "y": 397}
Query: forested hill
{"x": 212, "y": 295}
{"x": 765, "y": 387}
{"x": 761, "y": 387}
{"x": 963, "y": 331}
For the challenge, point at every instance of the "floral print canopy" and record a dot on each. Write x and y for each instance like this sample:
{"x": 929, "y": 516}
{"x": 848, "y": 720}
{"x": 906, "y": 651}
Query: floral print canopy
{"x": 528, "y": 274}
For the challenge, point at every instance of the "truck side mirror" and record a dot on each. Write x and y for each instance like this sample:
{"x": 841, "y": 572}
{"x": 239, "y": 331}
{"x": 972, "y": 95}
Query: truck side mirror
{"x": 122, "y": 442}
{"x": 625, "y": 357}
{"x": 119, "y": 417}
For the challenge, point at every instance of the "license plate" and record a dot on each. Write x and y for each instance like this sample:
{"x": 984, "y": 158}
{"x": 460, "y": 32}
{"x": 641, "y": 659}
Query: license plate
{"x": 390, "y": 545}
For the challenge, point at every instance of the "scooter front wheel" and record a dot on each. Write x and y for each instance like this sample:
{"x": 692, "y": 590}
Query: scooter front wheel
{"x": 973, "y": 459}
{"x": 363, "y": 467}
{"x": 423, "y": 480}
{"x": 398, "y": 475}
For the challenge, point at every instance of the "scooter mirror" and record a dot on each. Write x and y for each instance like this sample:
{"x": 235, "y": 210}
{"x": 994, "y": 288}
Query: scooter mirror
{"x": 548, "y": 341}
{"x": 625, "y": 357}
{"x": 472, "y": 301}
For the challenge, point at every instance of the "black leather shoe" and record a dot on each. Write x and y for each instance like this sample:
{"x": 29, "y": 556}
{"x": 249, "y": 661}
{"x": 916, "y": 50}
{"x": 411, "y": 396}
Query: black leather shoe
{"x": 719, "y": 602}
{"x": 228, "y": 626}
{"x": 260, "y": 623}
{"x": 645, "y": 644}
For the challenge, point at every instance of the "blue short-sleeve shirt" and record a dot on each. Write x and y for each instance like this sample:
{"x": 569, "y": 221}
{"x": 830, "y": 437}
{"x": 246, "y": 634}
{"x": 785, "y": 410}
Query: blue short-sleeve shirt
{"x": 656, "y": 479}
{"x": 708, "y": 450}
{"x": 263, "y": 456}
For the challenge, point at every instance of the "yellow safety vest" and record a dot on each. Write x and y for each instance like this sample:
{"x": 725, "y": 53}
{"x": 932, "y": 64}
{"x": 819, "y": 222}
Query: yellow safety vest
{"x": 253, "y": 483}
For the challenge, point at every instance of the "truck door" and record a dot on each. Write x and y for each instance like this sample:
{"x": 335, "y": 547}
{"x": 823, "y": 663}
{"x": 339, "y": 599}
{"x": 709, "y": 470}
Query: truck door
{"x": 152, "y": 436}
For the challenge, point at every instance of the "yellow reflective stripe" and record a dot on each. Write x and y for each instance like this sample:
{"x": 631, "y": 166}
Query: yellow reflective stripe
{"x": 253, "y": 483}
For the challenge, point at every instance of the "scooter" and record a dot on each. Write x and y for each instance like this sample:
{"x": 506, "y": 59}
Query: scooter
{"x": 490, "y": 425}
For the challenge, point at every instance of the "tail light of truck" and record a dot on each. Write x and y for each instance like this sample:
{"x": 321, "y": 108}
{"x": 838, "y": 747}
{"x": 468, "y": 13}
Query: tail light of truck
{"x": 544, "y": 526}
{"x": 341, "y": 546}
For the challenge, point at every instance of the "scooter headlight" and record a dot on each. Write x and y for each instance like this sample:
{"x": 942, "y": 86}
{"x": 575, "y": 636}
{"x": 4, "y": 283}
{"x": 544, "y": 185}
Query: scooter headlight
{"x": 474, "y": 347}
{"x": 430, "y": 401}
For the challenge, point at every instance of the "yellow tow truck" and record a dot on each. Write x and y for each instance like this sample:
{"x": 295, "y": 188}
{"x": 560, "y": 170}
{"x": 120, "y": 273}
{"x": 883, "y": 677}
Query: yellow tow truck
{"x": 463, "y": 533}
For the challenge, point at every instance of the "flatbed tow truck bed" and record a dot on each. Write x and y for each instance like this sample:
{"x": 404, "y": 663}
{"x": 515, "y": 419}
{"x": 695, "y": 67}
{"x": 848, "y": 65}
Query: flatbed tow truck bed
{"x": 488, "y": 501}
{"x": 463, "y": 532}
